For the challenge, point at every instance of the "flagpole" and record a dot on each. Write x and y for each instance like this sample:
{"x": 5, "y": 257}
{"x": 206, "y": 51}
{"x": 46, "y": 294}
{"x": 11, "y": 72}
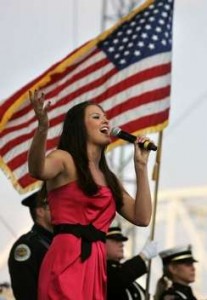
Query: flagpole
{"x": 155, "y": 177}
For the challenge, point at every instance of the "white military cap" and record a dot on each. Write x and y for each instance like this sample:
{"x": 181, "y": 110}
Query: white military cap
{"x": 177, "y": 255}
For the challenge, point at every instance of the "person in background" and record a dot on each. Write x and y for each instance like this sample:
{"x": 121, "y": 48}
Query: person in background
{"x": 83, "y": 195}
{"x": 28, "y": 251}
{"x": 121, "y": 282}
{"x": 178, "y": 274}
{"x": 5, "y": 291}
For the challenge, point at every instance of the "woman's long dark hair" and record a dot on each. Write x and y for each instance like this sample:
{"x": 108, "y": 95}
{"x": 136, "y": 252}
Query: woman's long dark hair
{"x": 73, "y": 140}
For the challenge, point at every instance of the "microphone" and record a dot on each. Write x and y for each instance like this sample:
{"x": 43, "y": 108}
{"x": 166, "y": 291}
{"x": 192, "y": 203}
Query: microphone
{"x": 117, "y": 132}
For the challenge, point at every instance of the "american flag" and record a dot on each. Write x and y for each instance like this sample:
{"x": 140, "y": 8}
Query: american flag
{"x": 126, "y": 69}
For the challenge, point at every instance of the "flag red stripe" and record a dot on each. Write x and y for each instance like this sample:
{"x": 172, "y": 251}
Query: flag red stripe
{"x": 143, "y": 123}
{"x": 26, "y": 180}
{"x": 133, "y": 102}
{"x": 82, "y": 74}
{"x": 25, "y": 137}
{"x": 57, "y": 89}
{"x": 134, "y": 80}
{"x": 130, "y": 81}
{"x": 137, "y": 101}
{"x": 11, "y": 100}
{"x": 60, "y": 102}
{"x": 129, "y": 104}
{"x": 57, "y": 77}
{"x": 116, "y": 88}
{"x": 22, "y": 157}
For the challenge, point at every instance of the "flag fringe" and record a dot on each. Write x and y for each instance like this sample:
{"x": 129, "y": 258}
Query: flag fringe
{"x": 10, "y": 175}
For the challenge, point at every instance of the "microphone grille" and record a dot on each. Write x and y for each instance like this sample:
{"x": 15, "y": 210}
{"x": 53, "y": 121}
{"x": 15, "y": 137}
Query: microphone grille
{"x": 115, "y": 131}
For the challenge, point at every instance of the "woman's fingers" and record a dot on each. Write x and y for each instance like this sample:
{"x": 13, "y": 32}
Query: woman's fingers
{"x": 142, "y": 139}
{"x": 37, "y": 100}
{"x": 42, "y": 98}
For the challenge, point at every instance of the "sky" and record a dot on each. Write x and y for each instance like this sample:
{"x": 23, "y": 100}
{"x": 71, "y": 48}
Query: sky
{"x": 36, "y": 34}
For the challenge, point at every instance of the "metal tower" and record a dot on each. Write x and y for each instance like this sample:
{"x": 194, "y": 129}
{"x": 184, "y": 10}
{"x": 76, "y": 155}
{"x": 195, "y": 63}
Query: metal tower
{"x": 113, "y": 10}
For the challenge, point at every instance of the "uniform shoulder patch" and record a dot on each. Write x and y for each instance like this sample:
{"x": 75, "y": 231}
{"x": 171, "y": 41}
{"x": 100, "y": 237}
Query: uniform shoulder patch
{"x": 22, "y": 252}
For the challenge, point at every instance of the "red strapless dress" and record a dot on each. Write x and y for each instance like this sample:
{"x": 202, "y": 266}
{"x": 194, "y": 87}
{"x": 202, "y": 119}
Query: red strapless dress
{"x": 63, "y": 276}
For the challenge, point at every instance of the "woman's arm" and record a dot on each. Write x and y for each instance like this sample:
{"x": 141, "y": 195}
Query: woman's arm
{"x": 40, "y": 166}
{"x": 138, "y": 211}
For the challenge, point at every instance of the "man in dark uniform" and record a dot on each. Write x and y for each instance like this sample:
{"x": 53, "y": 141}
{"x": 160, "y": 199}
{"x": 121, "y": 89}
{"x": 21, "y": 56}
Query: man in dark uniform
{"x": 28, "y": 251}
{"x": 179, "y": 271}
{"x": 121, "y": 284}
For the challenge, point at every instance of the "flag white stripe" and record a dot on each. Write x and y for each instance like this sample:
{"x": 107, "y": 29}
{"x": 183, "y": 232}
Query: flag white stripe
{"x": 141, "y": 111}
{"x": 94, "y": 59}
{"x": 144, "y": 64}
{"x": 84, "y": 65}
{"x": 137, "y": 90}
{"x": 64, "y": 92}
{"x": 116, "y": 99}
{"x": 135, "y": 113}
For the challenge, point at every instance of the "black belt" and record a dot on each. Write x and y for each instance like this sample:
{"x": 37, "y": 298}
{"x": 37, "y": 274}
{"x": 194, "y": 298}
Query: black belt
{"x": 88, "y": 234}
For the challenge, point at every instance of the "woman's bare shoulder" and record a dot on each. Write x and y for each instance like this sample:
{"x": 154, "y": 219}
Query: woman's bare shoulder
{"x": 60, "y": 153}
{"x": 67, "y": 168}
{"x": 61, "y": 158}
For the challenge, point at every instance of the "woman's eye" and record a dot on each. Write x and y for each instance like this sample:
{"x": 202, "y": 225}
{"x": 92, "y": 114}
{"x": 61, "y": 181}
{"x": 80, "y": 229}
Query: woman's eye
{"x": 96, "y": 117}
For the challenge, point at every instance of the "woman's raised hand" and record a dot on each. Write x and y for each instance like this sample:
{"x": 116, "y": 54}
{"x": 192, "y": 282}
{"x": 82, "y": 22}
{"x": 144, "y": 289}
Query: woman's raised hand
{"x": 41, "y": 111}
